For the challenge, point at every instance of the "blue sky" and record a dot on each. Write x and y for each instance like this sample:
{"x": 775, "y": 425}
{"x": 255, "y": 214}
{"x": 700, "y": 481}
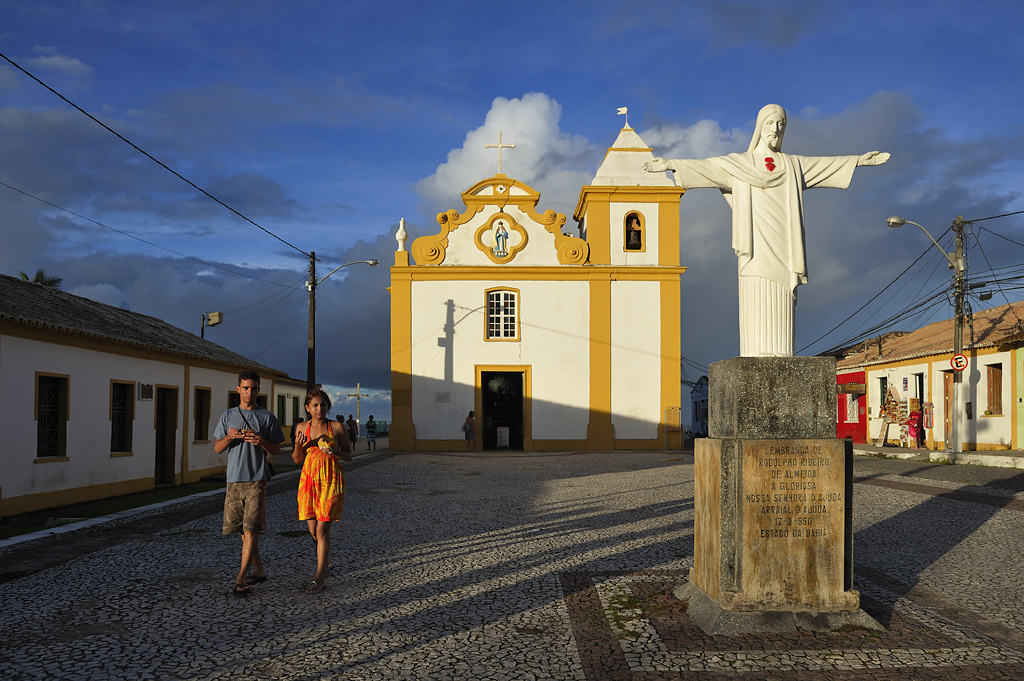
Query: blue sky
{"x": 327, "y": 122}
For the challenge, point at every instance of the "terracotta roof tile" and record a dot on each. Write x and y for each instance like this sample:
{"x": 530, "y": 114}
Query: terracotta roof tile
{"x": 34, "y": 305}
{"x": 992, "y": 327}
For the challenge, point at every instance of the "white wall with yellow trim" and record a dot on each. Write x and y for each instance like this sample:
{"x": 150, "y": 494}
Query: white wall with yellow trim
{"x": 636, "y": 359}
{"x": 979, "y": 432}
{"x": 88, "y": 469}
{"x": 553, "y": 320}
{"x": 617, "y": 234}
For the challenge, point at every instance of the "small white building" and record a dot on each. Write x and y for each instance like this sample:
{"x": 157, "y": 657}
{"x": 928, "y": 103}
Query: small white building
{"x": 556, "y": 342}
{"x": 699, "y": 407}
{"x": 917, "y": 367}
{"x": 98, "y": 401}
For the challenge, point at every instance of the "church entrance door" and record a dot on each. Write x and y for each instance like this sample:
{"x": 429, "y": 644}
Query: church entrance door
{"x": 502, "y": 407}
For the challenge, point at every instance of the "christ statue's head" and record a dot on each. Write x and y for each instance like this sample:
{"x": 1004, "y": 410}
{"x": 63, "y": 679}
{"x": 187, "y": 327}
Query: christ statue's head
{"x": 770, "y": 127}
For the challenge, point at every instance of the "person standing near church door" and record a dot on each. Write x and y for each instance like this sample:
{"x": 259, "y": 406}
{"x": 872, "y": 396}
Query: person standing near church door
{"x": 469, "y": 429}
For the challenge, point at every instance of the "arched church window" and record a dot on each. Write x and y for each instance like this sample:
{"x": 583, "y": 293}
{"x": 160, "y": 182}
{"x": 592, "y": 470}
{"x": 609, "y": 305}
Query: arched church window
{"x": 502, "y": 314}
{"x": 633, "y": 238}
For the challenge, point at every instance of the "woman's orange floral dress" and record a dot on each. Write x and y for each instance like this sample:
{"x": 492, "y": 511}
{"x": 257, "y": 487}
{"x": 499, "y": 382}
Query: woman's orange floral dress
{"x": 322, "y": 484}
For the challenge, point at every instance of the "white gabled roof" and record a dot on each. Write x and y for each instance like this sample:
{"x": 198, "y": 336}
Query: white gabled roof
{"x": 623, "y": 164}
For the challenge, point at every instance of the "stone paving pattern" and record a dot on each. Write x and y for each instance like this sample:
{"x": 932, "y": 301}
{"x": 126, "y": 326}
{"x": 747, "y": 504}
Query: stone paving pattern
{"x": 511, "y": 567}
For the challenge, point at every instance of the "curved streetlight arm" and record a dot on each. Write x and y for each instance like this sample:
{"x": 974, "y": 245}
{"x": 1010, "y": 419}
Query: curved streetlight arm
{"x": 371, "y": 263}
{"x": 959, "y": 264}
{"x": 311, "y": 287}
{"x": 895, "y": 221}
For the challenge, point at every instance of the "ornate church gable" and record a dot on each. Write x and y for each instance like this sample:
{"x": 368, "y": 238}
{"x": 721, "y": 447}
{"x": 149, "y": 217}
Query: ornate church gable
{"x": 500, "y": 226}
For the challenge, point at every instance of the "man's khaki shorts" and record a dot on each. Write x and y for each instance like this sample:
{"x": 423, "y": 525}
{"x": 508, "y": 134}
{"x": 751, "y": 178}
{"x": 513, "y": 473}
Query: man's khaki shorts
{"x": 245, "y": 507}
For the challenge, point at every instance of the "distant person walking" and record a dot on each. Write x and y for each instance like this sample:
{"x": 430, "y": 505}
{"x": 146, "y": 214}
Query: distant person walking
{"x": 469, "y": 429}
{"x": 353, "y": 431}
{"x": 320, "y": 446}
{"x": 371, "y": 434}
{"x": 250, "y": 435}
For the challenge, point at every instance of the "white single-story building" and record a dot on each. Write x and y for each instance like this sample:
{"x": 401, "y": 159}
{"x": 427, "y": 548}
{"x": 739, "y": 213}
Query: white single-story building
{"x": 99, "y": 401}
{"x": 902, "y": 370}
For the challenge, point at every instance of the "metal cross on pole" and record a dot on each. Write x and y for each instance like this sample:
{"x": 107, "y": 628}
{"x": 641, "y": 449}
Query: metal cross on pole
{"x": 499, "y": 146}
{"x": 358, "y": 394}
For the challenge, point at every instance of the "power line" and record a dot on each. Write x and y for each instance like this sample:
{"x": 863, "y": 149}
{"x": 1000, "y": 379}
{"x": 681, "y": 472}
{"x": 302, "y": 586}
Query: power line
{"x": 284, "y": 330}
{"x": 696, "y": 365}
{"x": 906, "y": 313}
{"x": 996, "y": 281}
{"x": 132, "y": 236}
{"x": 1000, "y": 236}
{"x": 993, "y": 217}
{"x": 285, "y": 295}
{"x": 149, "y": 156}
{"x": 873, "y": 298}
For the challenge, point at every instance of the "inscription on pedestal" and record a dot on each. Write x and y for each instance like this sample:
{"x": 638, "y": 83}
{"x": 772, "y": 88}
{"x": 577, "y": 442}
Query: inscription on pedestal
{"x": 792, "y": 501}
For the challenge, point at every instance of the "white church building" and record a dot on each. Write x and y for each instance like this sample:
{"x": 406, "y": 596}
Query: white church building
{"x": 555, "y": 342}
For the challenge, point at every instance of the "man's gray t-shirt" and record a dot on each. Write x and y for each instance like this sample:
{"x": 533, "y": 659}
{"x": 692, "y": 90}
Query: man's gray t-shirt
{"x": 247, "y": 462}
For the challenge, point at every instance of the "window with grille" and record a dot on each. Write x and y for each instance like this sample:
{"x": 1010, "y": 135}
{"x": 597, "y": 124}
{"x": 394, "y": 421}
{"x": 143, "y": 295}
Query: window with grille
{"x": 51, "y": 415}
{"x": 502, "y": 314}
{"x": 201, "y": 415}
{"x": 122, "y": 414}
{"x": 852, "y": 403}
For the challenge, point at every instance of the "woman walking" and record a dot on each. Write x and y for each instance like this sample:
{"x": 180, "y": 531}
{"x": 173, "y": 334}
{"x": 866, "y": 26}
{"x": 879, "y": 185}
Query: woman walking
{"x": 320, "y": 446}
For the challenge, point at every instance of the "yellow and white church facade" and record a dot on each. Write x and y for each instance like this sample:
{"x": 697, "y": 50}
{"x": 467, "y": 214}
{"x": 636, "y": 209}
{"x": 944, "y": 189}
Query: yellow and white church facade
{"x": 555, "y": 342}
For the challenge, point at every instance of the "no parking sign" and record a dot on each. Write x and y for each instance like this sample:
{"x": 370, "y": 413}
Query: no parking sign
{"x": 958, "y": 362}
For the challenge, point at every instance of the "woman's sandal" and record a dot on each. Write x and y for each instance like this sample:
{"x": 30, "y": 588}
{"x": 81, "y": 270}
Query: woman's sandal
{"x": 315, "y": 587}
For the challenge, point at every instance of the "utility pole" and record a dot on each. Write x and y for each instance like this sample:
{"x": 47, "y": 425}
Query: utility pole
{"x": 959, "y": 289}
{"x": 311, "y": 351}
{"x": 958, "y": 263}
{"x": 311, "y": 287}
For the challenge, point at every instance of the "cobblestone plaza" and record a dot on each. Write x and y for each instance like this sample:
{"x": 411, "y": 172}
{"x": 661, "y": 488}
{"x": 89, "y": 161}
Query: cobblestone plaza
{"x": 510, "y": 567}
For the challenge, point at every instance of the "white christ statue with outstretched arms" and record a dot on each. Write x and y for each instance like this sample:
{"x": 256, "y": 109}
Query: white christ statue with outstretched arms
{"x": 765, "y": 187}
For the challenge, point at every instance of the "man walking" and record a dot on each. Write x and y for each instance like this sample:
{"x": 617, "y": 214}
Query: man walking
{"x": 353, "y": 431}
{"x": 371, "y": 434}
{"x": 250, "y": 435}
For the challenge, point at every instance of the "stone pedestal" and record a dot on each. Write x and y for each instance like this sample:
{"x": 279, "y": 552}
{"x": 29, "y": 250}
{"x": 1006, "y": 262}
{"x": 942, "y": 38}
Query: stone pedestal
{"x": 773, "y": 538}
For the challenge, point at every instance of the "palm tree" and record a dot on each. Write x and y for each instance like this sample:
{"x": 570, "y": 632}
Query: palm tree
{"x": 43, "y": 278}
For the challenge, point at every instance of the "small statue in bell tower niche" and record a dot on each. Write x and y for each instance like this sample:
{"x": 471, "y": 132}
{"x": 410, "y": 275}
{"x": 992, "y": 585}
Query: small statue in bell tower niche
{"x": 633, "y": 233}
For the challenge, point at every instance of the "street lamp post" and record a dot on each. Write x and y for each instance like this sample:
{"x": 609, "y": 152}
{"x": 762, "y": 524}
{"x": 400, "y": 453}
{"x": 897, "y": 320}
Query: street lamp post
{"x": 311, "y": 287}
{"x": 959, "y": 266}
{"x": 210, "y": 319}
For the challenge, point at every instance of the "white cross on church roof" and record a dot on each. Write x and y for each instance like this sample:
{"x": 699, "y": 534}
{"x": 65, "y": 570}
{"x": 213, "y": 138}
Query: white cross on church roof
{"x": 499, "y": 146}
